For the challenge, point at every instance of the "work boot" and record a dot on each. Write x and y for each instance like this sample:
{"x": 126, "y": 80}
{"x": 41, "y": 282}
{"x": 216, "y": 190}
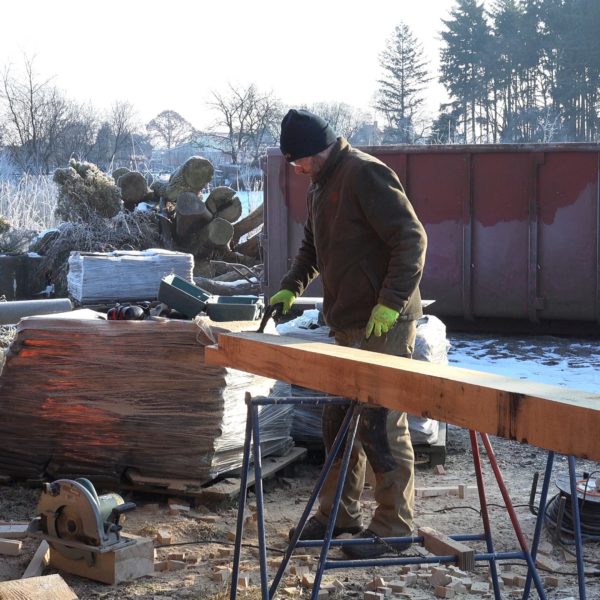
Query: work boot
{"x": 315, "y": 530}
{"x": 377, "y": 548}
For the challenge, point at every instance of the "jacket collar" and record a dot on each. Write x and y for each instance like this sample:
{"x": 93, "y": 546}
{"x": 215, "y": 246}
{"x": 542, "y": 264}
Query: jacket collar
{"x": 339, "y": 150}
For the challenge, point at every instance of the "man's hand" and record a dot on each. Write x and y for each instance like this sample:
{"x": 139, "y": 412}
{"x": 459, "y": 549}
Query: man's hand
{"x": 381, "y": 321}
{"x": 284, "y": 297}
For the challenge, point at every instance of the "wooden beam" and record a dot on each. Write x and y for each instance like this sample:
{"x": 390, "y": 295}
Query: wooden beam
{"x": 551, "y": 417}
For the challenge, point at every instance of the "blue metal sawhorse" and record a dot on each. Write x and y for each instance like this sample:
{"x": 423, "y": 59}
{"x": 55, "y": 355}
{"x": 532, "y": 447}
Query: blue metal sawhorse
{"x": 347, "y": 432}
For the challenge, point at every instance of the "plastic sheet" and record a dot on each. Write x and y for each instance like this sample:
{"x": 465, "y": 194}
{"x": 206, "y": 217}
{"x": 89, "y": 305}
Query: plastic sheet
{"x": 124, "y": 275}
{"x": 83, "y": 396}
{"x": 431, "y": 345}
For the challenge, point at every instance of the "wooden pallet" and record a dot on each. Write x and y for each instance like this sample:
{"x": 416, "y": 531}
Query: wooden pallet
{"x": 229, "y": 488}
{"x": 200, "y": 491}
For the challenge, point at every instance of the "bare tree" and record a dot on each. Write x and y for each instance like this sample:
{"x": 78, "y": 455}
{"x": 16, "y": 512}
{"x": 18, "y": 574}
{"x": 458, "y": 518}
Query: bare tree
{"x": 247, "y": 120}
{"x": 345, "y": 119}
{"x": 122, "y": 124}
{"x": 35, "y": 116}
{"x": 169, "y": 129}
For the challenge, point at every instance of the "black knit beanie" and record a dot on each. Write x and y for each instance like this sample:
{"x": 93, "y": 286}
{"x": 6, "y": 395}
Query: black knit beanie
{"x": 304, "y": 134}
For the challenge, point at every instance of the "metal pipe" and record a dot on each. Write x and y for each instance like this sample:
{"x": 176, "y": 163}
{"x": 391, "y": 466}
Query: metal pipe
{"x": 12, "y": 312}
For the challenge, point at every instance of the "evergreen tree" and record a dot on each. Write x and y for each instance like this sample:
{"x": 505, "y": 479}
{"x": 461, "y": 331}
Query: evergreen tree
{"x": 464, "y": 65}
{"x": 400, "y": 92}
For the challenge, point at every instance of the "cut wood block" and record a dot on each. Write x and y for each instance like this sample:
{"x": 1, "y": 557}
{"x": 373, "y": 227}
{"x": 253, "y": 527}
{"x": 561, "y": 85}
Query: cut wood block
{"x": 308, "y": 580}
{"x": 50, "y": 587}
{"x": 10, "y": 547}
{"x": 13, "y": 531}
{"x": 40, "y": 560}
{"x": 117, "y": 566}
{"x": 163, "y": 536}
{"x": 441, "y": 545}
{"x": 376, "y": 583}
{"x": 160, "y": 566}
{"x": 175, "y": 565}
{"x": 397, "y": 586}
{"x": 445, "y": 490}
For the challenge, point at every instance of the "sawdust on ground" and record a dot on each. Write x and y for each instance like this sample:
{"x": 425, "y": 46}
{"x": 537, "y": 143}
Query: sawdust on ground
{"x": 206, "y": 544}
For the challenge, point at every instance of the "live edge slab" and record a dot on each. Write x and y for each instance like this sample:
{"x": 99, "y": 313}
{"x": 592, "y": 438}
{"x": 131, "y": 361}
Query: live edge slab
{"x": 551, "y": 417}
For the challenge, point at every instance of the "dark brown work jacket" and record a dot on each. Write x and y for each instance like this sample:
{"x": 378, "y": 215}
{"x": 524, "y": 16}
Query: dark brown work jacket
{"x": 363, "y": 237}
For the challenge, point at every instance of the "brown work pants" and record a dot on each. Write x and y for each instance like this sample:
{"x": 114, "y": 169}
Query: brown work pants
{"x": 382, "y": 438}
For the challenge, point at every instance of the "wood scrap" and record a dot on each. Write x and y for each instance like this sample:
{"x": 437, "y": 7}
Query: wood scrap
{"x": 10, "y": 547}
{"x": 441, "y": 545}
{"x": 49, "y": 587}
{"x": 38, "y": 563}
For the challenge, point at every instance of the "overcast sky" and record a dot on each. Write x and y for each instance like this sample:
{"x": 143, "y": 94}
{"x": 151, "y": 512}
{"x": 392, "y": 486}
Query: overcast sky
{"x": 171, "y": 54}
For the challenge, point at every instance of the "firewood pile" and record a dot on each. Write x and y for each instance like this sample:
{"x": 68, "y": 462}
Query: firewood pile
{"x": 83, "y": 396}
{"x": 208, "y": 228}
{"x": 103, "y": 213}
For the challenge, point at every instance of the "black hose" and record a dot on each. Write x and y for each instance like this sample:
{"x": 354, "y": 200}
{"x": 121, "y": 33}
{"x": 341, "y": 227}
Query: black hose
{"x": 589, "y": 514}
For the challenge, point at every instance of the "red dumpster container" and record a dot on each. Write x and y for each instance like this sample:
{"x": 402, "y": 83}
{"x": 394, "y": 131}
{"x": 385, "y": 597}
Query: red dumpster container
{"x": 513, "y": 230}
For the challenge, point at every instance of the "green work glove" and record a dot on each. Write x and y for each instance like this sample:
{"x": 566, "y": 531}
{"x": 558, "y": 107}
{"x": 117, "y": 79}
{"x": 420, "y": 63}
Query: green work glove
{"x": 286, "y": 297}
{"x": 382, "y": 319}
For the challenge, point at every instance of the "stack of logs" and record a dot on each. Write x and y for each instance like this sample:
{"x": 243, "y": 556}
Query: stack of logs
{"x": 205, "y": 228}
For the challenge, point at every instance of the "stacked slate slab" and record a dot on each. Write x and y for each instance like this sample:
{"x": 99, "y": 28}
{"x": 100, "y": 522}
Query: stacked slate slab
{"x": 83, "y": 396}
{"x": 124, "y": 275}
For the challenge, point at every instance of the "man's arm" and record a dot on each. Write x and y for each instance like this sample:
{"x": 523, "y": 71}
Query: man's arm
{"x": 393, "y": 218}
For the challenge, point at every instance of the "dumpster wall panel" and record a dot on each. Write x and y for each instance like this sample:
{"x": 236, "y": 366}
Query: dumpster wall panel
{"x": 438, "y": 185}
{"x": 568, "y": 267}
{"x": 513, "y": 230}
{"x": 502, "y": 187}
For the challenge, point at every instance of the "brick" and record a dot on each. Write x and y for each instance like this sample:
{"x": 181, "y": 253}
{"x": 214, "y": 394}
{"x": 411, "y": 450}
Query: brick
{"x": 175, "y": 565}
{"x": 163, "y": 536}
{"x": 176, "y": 556}
{"x": 397, "y": 586}
{"x": 373, "y": 596}
{"x": 377, "y": 582}
{"x": 386, "y": 591}
{"x": 551, "y": 581}
{"x": 308, "y": 580}
{"x": 440, "y": 577}
{"x": 443, "y": 592}
{"x": 479, "y": 587}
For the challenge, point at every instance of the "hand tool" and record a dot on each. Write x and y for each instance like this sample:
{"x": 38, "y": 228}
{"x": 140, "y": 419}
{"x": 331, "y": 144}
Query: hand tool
{"x": 271, "y": 310}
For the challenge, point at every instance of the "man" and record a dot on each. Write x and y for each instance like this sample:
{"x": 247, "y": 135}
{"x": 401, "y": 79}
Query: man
{"x": 363, "y": 237}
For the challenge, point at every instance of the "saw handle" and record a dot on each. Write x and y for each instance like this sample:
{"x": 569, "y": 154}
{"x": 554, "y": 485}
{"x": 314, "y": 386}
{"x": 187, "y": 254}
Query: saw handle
{"x": 116, "y": 513}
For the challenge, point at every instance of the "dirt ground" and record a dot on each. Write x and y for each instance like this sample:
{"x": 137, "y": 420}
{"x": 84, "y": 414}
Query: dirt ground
{"x": 204, "y": 542}
{"x": 201, "y": 536}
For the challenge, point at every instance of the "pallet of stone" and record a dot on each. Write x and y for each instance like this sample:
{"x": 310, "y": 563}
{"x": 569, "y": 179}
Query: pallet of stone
{"x": 84, "y": 396}
{"x": 118, "y": 275}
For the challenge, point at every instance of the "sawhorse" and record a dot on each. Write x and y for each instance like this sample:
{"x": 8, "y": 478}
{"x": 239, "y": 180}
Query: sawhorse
{"x": 347, "y": 432}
